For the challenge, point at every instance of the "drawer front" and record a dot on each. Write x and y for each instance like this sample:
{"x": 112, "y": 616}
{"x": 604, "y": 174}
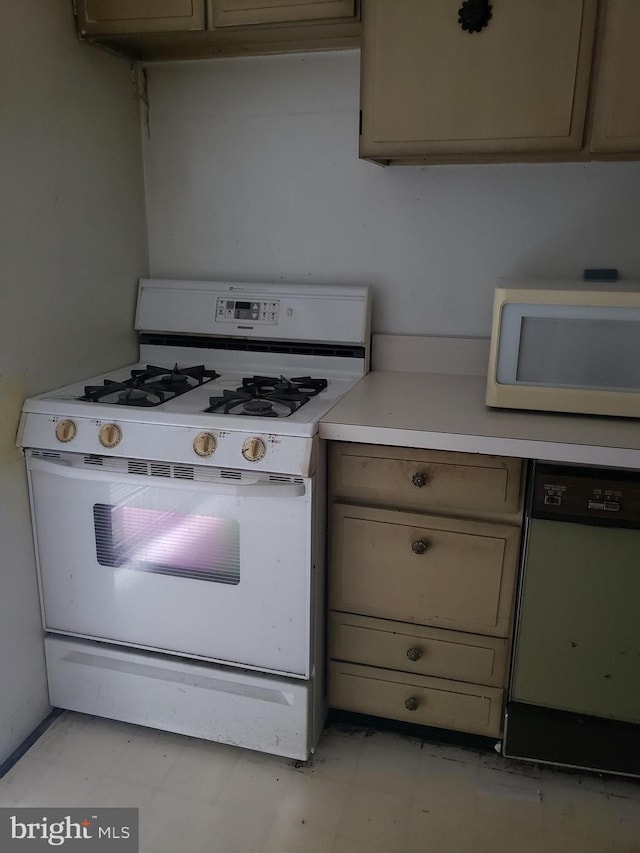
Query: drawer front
{"x": 425, "y": 651}
{"x": 416, "y": 699}
{"x": 425, "y": 480}
{"x": 178, "y": 695}
{"x": 448, "y": 573}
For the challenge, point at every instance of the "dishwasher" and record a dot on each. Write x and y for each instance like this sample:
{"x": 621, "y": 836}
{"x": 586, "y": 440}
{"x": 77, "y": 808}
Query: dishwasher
{"x": 574, "y": 694}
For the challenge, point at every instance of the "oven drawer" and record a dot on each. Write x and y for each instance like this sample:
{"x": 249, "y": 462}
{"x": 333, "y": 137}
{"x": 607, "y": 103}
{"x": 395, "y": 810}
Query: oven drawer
{"x": 425, "y": 651}
{"x": 448, "y": 573}
{"x": 421, "y": 480}
{"x": 415, "y": 698}
{"x": 198, "y": 700}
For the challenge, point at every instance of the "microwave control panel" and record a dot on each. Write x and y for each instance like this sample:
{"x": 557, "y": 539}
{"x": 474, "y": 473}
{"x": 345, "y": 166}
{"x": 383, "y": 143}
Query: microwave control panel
{"x": 247, "y": 310}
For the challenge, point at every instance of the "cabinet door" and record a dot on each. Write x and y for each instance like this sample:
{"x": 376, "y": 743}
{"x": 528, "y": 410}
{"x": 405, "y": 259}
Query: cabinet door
{"x": 139, "y": 16}
{"x": 430, "y": 89}
{"x": 616, "y": 121}
{"x": 237, "y": 13}
{"x": 449, "y": 573}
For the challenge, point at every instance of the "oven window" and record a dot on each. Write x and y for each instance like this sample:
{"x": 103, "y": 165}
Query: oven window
{"x": 168, "y": 543}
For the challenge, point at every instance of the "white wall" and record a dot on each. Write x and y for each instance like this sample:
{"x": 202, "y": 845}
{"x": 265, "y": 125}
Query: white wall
{"x": 252, "y": 173}
{"x": 72, "y": 244}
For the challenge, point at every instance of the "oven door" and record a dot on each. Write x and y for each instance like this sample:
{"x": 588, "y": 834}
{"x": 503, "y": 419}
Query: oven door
{"x": 219, "y": 570}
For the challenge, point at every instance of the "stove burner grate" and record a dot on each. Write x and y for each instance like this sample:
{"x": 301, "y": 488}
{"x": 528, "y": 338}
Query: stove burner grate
{"x": 267, "y": 396}
{"x": 265, "y": 406}
{"x": 305, "y": 385}
{"x": 149, "y": 386}
{"x": 174, "y": 378}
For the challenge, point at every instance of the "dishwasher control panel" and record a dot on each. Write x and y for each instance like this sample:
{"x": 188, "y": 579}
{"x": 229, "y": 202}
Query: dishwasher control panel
{"x": 585, "y": 495}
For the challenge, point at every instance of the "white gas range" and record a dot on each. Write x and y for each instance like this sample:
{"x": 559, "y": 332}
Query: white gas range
{"x": 178, "y": 513}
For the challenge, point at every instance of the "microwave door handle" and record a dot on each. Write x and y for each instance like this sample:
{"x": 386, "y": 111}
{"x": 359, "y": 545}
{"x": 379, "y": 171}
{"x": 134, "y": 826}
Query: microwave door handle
{"x": 255, "y": 489}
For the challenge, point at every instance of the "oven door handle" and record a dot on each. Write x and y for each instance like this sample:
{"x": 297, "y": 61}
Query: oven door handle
{"x": 254, "y": 489}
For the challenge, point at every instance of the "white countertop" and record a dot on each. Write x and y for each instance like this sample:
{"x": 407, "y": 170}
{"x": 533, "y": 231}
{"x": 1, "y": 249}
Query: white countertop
{"x": 442, "y": 411}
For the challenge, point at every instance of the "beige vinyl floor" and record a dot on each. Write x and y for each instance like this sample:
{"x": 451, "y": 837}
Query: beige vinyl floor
{"x": 363, "y": 792}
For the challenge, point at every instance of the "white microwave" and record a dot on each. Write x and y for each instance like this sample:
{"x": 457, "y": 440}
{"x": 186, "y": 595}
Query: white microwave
{"x": 563, "y": 346}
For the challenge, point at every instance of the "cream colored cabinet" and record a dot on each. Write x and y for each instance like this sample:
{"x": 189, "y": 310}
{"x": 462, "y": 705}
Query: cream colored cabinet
{"x": 431, "y": 91}
{"x": 191, "y": 29}
{"x": 426, "y": 480}
{"x": 452, "y": 573}
{"x": 416, "y": 699}
{"x": 236, "y": 13}
{"x": 616, "y": 119}
{"x": 139, "y": 16}
{"x": 419, "y": 650}
{"x": 423, "y": 557}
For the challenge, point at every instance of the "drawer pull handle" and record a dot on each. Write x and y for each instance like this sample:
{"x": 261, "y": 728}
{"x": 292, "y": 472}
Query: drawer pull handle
{"x": 419, "y": 479}
{"x": 414, "y": 654}
{"x": 419, "y": 546}
{"x": 411, "y": 704}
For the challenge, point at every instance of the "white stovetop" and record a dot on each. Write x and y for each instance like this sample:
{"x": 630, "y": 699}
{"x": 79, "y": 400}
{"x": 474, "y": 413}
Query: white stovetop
{"x": 442, "y": 411}
{"x": 189, "y": 409}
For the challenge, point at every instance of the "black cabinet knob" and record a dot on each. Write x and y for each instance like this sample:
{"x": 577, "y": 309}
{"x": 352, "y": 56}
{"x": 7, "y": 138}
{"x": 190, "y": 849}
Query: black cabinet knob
{"x": 474, "y": 15}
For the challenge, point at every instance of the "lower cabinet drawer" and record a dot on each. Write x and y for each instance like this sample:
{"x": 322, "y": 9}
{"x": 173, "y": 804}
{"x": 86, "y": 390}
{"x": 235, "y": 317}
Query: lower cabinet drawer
{"x": 413, "y": 649}
{"x": 448, "y": 573}
{"x": 425, "y": 480}
{"x": 415, "y": 698}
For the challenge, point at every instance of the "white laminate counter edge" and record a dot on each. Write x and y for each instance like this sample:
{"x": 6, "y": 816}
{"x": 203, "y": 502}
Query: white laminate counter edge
{"x": 612, "y": 457}
{"x": 443, "y": 412}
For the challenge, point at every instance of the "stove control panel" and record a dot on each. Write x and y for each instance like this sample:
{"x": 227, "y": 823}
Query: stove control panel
{"x": 232, "y": 450}
{"x": 247, "y": 310}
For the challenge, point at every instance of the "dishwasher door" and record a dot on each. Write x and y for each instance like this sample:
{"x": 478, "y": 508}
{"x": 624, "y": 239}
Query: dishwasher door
{"x": 574, "y": 694}
{"x": 578, "y": 646}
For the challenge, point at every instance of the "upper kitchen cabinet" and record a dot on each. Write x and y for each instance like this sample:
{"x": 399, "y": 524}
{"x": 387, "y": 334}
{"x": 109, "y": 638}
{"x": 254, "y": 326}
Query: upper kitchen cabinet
{"x": 451, "y": 81}
{"x": 103, "y": 17}
{"x": 616, "y": 118}
{"x": 234, "y": 13}
{"x": 198, "y": 29}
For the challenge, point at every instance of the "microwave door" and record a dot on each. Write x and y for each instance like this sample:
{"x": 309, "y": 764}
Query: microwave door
{"x": 582, "y": 349}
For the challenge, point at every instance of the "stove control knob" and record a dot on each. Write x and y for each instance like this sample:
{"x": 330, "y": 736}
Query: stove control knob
{"x": 204, "y": 444}
{"x": 110, "y": 435}
{"x": 66, "y": 430}
{"x": 254, "y": 449}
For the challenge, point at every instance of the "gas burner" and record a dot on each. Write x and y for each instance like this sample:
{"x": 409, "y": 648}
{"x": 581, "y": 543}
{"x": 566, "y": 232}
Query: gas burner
{"x": 149, "y": 386}
{"x": 127, "y": 393}
{"x": 258, "y": 407}
{"x": 267, "y": 396}
{"x": 138, "y": 397}
{"x": 269, "y": 405}
{"x": 304, "y": 385}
